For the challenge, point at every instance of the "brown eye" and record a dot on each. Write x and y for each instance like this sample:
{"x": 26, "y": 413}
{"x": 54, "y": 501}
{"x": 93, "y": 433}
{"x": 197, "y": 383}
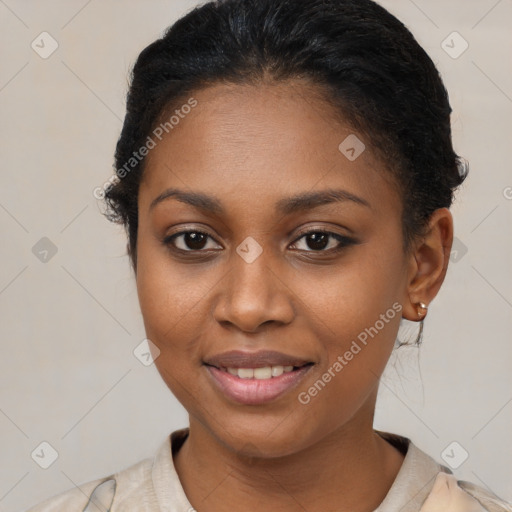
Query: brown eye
{"x": 189, "y": 241}
{"x": 318, "y": 241}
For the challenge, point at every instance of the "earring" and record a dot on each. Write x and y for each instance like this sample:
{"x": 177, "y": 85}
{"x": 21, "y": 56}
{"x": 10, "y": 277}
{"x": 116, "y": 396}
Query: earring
{"x": 422, "y": 309}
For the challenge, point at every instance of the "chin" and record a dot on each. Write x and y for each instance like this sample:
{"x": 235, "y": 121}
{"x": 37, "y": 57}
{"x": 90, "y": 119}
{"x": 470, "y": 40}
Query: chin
{"x": 267, "y": 439}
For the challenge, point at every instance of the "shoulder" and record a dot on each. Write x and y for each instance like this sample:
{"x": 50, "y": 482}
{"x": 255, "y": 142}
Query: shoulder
{"x": 132, "y": 485}
{"x": 490, "y": 501}
{"x": 142, "y": 487}
{"x": 452, "y": 495}
{"x": 71, "y": 499}
{"x": 424, "y": 485}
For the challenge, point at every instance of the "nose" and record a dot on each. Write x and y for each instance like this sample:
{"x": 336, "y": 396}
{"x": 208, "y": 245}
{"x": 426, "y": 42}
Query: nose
{"x": 252, "y": 295}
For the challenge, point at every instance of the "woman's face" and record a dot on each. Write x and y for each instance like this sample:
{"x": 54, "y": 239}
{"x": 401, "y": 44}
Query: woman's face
{"x": 248, "y": 288}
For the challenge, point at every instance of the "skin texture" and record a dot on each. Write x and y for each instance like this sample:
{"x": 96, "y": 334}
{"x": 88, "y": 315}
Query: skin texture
{"x": 250, "y": 146}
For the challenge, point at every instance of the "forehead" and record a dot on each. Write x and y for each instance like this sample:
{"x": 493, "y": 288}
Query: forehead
{"x": 264, "y": 141}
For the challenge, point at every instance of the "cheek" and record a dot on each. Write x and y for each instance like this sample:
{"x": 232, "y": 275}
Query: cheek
{"x": 358, "y": 311}
{"x": 352, "y": 297}
{"x": 167, "y": 302}
{"x": 357, "y": 352}
{"x": 173, "y": 300}
{"x": 163, "y": 295}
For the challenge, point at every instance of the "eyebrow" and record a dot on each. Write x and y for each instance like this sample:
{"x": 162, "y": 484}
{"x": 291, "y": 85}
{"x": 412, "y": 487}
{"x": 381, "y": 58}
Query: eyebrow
{"x": 300, "y": 202}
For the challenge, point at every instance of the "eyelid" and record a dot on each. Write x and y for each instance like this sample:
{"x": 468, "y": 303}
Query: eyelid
{"x": 169, "y": 239}
{"x": 321, "y": 229}
{"x": 343, "y": 241}
{"x": 195, "y": 228}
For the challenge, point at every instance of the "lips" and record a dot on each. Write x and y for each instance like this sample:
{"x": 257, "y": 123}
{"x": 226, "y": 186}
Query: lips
{"x": 256, "y": 378}
{"x": 260, "y": 359}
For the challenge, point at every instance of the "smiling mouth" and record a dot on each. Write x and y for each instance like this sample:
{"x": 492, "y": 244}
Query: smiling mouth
{"x": 260, "y": 373}
{"x": 256, "y": 378}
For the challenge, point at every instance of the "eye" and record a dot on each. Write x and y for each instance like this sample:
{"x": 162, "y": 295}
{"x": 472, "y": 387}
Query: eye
{"x": 316, "y": 239}
{"x": 319, "y": 240}
{"x": 189, "y": 241}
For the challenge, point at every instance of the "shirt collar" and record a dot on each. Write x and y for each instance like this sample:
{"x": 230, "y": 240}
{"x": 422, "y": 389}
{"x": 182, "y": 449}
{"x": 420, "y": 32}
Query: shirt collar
{"x": 414, "y": 480}
{"x": 166, "y": 483}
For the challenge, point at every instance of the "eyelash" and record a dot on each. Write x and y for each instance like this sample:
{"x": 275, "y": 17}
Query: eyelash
{"x": 344, "y": 241}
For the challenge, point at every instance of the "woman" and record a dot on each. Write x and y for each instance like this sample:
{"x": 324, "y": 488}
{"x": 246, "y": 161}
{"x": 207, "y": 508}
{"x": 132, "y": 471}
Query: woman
{"x": 284, "y": 173}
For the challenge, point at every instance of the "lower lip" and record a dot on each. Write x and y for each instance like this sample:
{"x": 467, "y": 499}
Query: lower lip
{"x": 256, "y": 391}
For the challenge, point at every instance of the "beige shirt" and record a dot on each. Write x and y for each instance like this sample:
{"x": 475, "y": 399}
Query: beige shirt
{"x": 152, "y": 485}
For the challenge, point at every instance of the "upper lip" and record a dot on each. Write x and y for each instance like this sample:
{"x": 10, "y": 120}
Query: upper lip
{"x": 260, "y": 359}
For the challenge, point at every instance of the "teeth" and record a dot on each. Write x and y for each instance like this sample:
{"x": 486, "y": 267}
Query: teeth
{"x": 245, "y": 373}
{"x": 277, "y": 370}
{"x": 267, "y": 372}
{"x": 263, "y": 373}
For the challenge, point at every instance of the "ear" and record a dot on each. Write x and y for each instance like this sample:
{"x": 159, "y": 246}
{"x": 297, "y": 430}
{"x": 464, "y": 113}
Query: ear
{"x": 428, "y": 264}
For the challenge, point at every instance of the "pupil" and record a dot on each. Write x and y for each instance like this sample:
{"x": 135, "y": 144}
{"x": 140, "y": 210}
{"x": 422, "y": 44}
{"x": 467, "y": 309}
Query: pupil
{"x": 195, "y": 240}
{"x": 319, "y": 240}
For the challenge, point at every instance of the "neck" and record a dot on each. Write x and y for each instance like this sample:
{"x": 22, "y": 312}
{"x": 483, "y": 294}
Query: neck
{"x": 351, "y": 469}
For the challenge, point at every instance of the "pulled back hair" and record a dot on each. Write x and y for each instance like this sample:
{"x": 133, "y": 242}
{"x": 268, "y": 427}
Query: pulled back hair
{"x": 366, "y": 63}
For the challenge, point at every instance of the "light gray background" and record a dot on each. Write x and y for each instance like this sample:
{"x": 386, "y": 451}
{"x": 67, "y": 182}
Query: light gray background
{"x": 69, "y": 325}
